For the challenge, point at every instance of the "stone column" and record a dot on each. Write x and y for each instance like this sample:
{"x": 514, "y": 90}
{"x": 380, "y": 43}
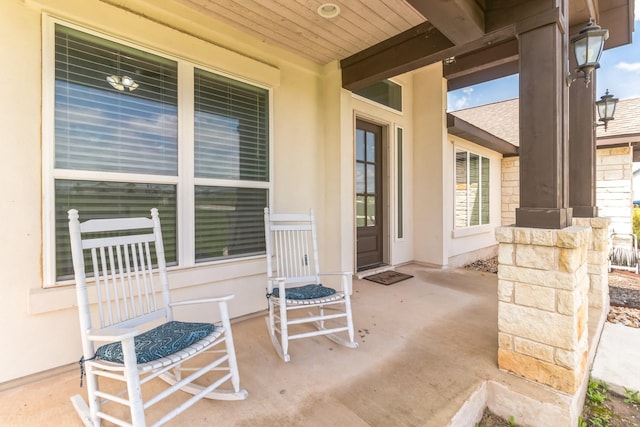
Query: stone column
{"x": 598, "y": 266}
{"x": 543, "y": 304}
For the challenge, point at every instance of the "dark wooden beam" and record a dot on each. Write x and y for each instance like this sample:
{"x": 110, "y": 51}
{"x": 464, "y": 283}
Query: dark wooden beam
{"x": 418, "y": 47}
{"x": 618, "y": 19}
{"x": 502, "y": 13}
{"x": 461, "y": 21}
{"x": 484, "y": 75}
{"x": 404, "y": 52}
{"x": 482, "y": 59}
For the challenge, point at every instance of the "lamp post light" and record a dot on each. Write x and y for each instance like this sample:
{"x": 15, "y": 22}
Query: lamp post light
{"x": 587, "y": 48}
{"x": 606, "y": 107}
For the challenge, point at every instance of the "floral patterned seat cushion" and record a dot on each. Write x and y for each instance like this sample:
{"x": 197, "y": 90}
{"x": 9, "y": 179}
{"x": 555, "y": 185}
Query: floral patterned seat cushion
{"x": 158, "y": 342}
{"x": 305, "y": 292}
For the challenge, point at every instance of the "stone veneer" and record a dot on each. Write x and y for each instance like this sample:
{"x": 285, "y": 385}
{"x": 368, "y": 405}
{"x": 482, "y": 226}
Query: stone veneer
{"x": 510, "y": 189}
{"x": 543, "y": 301}
{"x": 598, "y": 268}
{"x": 614, "y": 187}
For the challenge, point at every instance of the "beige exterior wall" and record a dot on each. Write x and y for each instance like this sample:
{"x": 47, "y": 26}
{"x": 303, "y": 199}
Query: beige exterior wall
{"x": 614, "y": 187}
{"x": 312, "y": 164}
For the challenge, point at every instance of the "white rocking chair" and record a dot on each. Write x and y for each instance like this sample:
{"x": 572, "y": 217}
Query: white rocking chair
{"x": 129, "y": 308}
{"x": 293, "y": 272}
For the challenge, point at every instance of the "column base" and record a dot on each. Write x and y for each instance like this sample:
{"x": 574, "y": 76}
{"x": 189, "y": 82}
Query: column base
{"x": 585, "y": 211}
{"x": 556, "y": 218}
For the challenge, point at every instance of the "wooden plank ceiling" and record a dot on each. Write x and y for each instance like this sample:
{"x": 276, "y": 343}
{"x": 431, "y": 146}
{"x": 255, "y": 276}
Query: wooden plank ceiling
{"x": 378, "y": 39}
{"x": 295, "y": 25}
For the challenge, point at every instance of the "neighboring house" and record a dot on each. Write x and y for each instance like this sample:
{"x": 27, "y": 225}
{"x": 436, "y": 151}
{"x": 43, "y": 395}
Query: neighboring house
{"x": 617, "y": 149}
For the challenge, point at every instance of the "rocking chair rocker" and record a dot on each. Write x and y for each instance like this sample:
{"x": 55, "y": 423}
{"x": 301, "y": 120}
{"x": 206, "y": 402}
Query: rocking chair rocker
{"x": 293, "y": 283}
{"x": 122, "y": 253}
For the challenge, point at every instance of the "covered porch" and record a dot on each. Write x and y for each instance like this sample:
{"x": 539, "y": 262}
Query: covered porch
{"x": 427, "y": 357}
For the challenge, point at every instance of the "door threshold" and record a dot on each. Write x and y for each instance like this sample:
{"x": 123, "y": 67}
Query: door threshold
{"x": 370, "y": 271}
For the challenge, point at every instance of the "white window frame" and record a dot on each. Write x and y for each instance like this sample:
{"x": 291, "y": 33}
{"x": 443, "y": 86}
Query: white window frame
{"x": 185, "y": 181}
{"x": 461, "y": 231}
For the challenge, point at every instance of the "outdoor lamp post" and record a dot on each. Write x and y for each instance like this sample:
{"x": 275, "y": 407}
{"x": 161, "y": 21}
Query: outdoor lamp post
{"x": 606, "y": 109}
{"x": 587, "y": 47}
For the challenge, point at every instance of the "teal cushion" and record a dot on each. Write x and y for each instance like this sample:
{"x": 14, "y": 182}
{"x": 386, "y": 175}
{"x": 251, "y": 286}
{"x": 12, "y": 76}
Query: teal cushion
{"x": 305, "y": 292}
{"x": 158, "y": 342}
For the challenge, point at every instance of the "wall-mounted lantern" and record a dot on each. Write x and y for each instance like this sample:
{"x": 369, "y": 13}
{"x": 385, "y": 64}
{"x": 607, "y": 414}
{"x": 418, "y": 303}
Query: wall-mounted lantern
{"x": 606, "y": 109}
{"x": 587, "y": 47}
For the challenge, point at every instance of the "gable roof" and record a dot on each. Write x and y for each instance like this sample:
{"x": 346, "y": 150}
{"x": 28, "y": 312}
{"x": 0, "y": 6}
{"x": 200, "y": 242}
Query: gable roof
{"x": 501, "y": 120}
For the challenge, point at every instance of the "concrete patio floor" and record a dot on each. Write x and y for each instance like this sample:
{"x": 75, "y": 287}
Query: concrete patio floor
{"x": 427, "y": 357}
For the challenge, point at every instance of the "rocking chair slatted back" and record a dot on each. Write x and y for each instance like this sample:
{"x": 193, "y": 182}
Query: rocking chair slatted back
{"x": 294, "y": 283}
{"x": 294, "y": 249}
{"x": 125, "y": 284}
{"x": 138, "y": 338}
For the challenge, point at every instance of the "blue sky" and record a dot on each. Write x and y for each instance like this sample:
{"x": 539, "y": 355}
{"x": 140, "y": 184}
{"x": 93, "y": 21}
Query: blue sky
{"x": 619, "y": 72}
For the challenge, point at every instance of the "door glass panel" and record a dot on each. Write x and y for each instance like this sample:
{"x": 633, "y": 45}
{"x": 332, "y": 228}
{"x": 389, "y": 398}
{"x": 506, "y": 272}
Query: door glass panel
{"x": 371, "y": 179}
{"x": 360, "y": 145}
{"x": 371, "y": 147}
{"x": 360, "y": 180}
{"x": 360, "y": 211}
{"x": 371, "y": 211}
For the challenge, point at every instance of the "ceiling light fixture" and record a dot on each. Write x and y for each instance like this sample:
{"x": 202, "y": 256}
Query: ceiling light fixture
{"x": 329, "y": 10}
{"x": 122, "y": 83}
{"x": 449, "y": 61}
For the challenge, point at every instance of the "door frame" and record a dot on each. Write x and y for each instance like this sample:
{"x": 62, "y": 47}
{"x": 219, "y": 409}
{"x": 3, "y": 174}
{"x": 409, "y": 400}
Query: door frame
{"x": 386, "y": 128}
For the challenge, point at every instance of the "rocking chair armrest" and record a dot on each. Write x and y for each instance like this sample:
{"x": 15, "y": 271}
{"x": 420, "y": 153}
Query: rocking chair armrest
{"x": 279, "y": 280}
{"x": 112, "y": 334}
{"x": 344, "y": 279}
{"x": 223, "y": 298}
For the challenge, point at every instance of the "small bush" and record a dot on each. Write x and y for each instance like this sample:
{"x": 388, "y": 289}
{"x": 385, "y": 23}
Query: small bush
{"x": 636, "y": 221}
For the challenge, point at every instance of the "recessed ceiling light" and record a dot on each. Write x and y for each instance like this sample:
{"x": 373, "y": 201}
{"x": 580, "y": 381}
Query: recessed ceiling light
{"x": 328, "y": 10}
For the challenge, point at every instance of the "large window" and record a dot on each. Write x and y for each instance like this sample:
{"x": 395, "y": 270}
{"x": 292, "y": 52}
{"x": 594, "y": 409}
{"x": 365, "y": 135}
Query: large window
{"x": 125, "y": 139}
{"x": 472, "y": 189}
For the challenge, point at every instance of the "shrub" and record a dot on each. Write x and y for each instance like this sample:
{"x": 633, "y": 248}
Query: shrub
{"x": 636, "y": 221}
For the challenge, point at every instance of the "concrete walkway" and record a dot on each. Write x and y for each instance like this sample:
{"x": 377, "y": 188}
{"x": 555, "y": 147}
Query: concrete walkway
{"x": 617, "y": 360}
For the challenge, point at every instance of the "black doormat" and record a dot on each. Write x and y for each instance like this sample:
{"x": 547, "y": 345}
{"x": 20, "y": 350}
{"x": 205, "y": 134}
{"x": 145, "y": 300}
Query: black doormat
{"x": 388, "y": 277}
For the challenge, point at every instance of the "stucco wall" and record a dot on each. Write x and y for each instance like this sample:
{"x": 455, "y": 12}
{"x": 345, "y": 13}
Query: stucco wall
{"x": 312, "y": 163}
{"x": 614, "y": 187}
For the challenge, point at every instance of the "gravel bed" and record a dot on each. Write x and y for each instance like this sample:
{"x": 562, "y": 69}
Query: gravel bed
{"x": 624, "y": 292}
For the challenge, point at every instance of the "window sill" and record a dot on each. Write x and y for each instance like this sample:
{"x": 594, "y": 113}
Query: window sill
{"x": 63, "y": 296}
{"x": 472, "y": 231}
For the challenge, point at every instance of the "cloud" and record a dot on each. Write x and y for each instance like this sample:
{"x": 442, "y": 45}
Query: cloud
{"x": 467, "y": 90}
{"x": 460, "y": 103}
{"x": 626, "y": 66}
{"x": 636, "y": 11}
